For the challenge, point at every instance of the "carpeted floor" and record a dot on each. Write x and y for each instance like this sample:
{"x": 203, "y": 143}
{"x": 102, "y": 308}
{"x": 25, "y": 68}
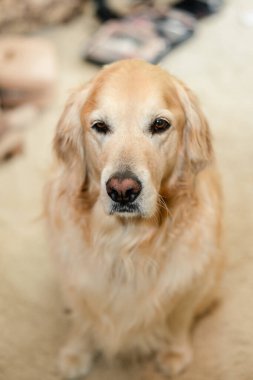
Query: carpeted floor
{"x": 218, "y": 64}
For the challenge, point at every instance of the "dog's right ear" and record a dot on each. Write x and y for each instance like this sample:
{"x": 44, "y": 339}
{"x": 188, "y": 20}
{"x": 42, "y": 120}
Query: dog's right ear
{"x": 69, "y": 137}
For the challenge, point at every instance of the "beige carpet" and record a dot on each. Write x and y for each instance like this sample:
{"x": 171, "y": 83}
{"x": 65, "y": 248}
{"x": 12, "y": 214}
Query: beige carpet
{"x": 218, "y": 64}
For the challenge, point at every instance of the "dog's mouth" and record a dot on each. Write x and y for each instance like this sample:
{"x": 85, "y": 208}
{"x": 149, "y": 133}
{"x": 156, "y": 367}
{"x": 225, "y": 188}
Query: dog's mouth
{"x": 125, "y": 209}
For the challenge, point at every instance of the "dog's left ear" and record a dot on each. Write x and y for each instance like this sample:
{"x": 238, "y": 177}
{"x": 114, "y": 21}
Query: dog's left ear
{"x": 196, "y": 135}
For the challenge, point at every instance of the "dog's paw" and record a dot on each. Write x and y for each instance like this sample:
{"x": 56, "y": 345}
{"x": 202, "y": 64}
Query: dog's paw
{"x": 175, "y": 360}
{"x": 74, "y": 365}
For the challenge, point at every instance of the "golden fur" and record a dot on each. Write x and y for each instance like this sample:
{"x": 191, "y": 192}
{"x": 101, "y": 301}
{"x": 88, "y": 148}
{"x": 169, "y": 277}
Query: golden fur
{"x": 134, "y": 282}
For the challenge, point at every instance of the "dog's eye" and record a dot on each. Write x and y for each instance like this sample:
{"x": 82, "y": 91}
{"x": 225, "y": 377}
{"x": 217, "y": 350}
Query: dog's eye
{"x": 100, "y": 127}
{"x": 159, "y": 125}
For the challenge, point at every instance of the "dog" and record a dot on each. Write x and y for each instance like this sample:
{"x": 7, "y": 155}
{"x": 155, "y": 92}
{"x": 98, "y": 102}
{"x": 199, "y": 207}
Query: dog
{"x": 134, "y": 210}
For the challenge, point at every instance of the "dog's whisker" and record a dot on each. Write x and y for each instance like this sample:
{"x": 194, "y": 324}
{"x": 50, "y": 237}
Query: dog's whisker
{"x": 163, "y": 205}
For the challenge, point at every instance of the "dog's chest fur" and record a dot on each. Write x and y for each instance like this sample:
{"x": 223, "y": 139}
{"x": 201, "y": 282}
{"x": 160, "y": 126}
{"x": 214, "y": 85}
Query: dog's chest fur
{"x": 123, "y": 286}
{"x": 119, "y": 289}
{"x": 114, "y": 272}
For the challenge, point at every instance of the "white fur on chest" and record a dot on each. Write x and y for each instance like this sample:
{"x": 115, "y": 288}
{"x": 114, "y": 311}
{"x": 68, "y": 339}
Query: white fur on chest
{"x": 122, "y": 289}
{"x": 115, "y": 277}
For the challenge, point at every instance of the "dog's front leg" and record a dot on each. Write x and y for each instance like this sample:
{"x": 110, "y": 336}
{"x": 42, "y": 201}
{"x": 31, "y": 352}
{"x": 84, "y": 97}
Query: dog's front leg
{"x": 178, "y": 355}
{"x": 76, "y": 357}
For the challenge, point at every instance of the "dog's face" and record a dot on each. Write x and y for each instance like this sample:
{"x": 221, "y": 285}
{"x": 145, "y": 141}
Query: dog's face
{"x": 133, "y": 129}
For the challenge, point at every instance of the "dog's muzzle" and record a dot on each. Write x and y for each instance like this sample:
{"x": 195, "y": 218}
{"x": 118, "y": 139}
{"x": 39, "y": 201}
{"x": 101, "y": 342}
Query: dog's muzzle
{"x": 124, "y": 188}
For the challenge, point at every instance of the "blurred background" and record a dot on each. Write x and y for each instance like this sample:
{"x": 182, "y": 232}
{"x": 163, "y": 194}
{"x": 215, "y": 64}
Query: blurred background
{"x": 48, "y": 47}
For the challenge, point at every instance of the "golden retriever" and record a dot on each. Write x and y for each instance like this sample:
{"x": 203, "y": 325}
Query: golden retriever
{"x": 134, "y": 213}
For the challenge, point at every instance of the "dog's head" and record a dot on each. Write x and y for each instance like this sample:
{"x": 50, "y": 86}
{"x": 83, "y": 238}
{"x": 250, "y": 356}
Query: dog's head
{"x": 131, "y": 131}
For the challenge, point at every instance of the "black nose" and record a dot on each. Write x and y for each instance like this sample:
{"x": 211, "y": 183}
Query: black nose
{"x": 123, "y": 187}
